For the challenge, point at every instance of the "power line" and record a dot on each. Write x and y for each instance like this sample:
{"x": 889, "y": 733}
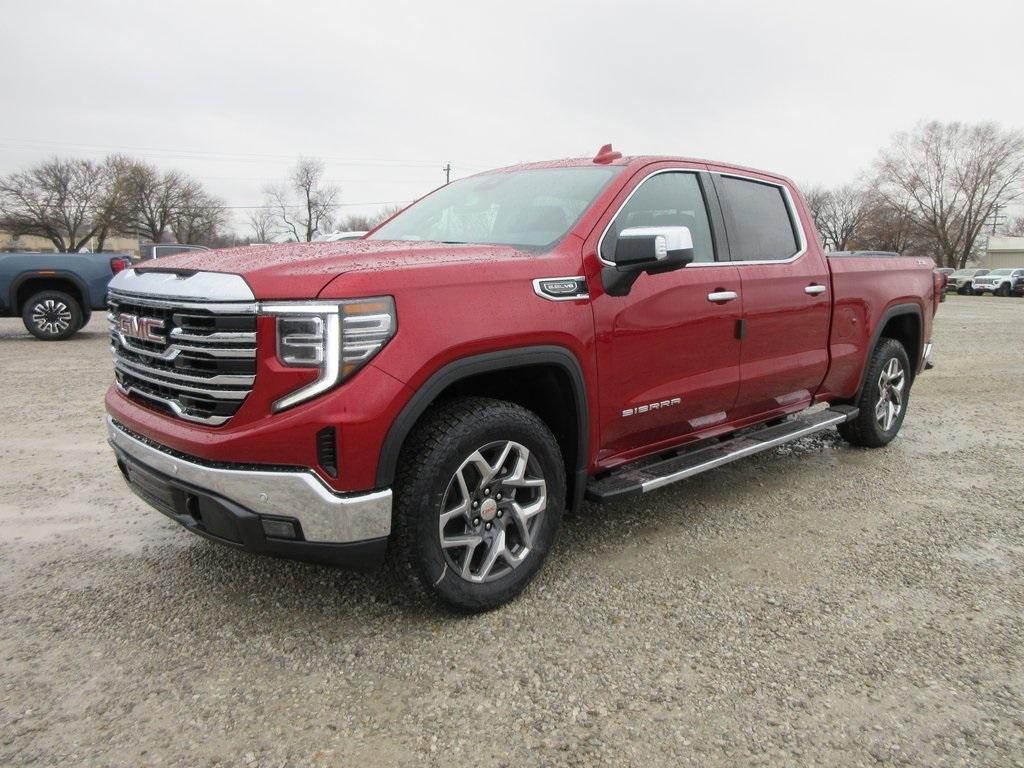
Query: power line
{"x": 298, "y": 205}
{"x": 187, "y": 154}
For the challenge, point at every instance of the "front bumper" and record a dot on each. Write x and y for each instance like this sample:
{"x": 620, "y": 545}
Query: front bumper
{"x": 231, "y": 504}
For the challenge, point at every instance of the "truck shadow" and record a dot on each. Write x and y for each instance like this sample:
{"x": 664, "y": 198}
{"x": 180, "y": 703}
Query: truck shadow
{"x": 290, "y": 594}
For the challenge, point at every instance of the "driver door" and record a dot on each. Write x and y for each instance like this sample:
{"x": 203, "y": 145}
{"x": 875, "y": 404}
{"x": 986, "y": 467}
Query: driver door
{"x": 668, "y": 354}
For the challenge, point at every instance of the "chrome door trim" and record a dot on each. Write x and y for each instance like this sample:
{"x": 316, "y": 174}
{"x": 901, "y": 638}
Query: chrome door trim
{"x": 600, "y": 241}
{"x": 787, "y": 197}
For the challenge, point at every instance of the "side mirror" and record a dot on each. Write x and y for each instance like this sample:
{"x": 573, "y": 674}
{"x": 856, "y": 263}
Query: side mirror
{"x": 646, "y": 249}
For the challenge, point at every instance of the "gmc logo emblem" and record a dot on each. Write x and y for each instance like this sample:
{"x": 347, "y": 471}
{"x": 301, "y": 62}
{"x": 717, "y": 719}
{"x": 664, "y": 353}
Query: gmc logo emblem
{"x": 142, "y": 328}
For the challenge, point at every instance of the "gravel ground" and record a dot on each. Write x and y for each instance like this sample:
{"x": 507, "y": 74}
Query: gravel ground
{"x": 815, "y": 605}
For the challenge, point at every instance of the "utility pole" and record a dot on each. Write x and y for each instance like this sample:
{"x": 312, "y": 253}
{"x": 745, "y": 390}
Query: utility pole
{"x": 447, "y": 173}
{"x": 996, "y": 218}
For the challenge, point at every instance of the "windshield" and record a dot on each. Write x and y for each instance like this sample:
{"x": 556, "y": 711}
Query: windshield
{"x": 531, "y": 209}
{"x": 968, "y": 272}
{"x": 1000, "y": 272}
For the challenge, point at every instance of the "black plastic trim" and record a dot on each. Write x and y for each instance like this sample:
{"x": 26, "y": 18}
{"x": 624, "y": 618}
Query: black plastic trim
{"x": 896, "y": 310}
{"x": 52, "y": 274}
{"x": 713, "y": 206}
{"x": 486, "y": 363}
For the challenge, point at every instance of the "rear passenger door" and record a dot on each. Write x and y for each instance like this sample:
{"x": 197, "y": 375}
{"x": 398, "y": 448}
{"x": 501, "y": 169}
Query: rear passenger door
{"x": 786, "y": 298}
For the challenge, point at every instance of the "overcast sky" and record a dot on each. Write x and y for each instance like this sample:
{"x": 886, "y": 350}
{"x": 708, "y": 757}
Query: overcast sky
{"x": 387, "y": 92}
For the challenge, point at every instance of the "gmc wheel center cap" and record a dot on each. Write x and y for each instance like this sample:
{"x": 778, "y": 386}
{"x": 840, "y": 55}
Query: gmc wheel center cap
{"x": 488, "y": 509}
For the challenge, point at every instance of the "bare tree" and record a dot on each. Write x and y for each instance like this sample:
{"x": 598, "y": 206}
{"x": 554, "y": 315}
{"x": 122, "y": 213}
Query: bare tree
{"x": 262, "y": 223}
{"x": 155, "y": 199}
{"x": 838, "y": 213}
{"x": 364, "y": 222}
{"x": 1015, "y": 227}
{"x": 303, "y": 205}
{"x": 113, "y": 209}
{"x": 57, "y": 199}
{"x": 198, "y": 217}
{"x": 888, "y": 228}
{"x": 950, "y": 178}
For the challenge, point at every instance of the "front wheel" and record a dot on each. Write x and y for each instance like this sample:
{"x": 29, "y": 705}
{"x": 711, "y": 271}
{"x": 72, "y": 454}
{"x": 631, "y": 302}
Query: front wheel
{"x": 478, "y": 502}
{"x": 883, "y": 402}
{"x": 1002, "y": 290}
{"x": 52, "y": 316}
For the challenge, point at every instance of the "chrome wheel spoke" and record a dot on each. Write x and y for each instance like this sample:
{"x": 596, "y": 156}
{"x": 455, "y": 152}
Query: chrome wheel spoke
{"x": 468, "y": 542}
{"x": 891, "y": 382}
{"x": 497, "y": 549}
{"x": 523, "y": 524}
{"x": 463, "y": 507}
{"x": 490, "y": 511}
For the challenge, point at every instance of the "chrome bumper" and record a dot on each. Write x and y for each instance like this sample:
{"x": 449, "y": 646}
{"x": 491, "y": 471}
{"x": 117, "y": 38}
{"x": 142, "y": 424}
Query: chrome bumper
{"x": 324, "y": 515}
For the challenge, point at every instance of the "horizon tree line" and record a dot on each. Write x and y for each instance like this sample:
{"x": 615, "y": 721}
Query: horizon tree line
{"x": 931, "y": 192}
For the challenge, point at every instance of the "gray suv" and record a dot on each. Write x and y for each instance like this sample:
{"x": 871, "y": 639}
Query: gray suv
{"x": 962, "y": 281}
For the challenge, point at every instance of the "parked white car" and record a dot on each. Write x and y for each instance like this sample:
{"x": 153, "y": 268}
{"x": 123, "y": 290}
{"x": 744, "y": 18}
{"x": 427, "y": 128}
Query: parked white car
{"x": 1000, "y": 282}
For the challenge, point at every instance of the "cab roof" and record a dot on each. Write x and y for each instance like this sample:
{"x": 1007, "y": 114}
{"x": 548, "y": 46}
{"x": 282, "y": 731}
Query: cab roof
{"x": 631, "y": 161}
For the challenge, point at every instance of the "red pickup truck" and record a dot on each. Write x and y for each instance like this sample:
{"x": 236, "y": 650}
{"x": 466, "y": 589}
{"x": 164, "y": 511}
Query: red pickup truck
{"x": 437, "y": 394}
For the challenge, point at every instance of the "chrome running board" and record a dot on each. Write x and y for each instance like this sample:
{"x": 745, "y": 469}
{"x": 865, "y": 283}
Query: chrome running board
{"x": 633, "y": 480}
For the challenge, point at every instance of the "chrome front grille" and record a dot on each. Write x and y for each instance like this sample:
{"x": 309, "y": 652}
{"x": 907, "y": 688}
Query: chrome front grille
{"x": 195, "y": 360}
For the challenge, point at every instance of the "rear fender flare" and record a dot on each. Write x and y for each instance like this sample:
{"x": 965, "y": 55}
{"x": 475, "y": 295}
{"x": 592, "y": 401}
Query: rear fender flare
{"x": 50, "y": 274}
{"x": 896, "y": 310}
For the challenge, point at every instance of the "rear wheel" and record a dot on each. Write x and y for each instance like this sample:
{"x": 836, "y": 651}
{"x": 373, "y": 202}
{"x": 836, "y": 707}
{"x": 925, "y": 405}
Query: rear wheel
{"x": 883, "y": 402}
{"x": 964, "y": 290}
{"x": 52, "y": 315}
{"x": 479, "y": 499}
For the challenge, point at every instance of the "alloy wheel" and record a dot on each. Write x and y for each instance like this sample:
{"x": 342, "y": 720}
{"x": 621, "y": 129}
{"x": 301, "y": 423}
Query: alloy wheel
{"x": 51, "y": 316}
{"x": 891, "y": 383}
{"x": 491, "y": 510}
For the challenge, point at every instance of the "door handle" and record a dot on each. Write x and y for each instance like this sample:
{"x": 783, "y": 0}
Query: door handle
{"x": 814, "y": 290}
{"x": 722, "y": 295}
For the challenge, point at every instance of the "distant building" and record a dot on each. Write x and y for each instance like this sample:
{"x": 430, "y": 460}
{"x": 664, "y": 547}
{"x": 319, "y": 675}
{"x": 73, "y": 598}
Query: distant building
{"x": 1004, "y": 252}
{"x": 119, "y": 243}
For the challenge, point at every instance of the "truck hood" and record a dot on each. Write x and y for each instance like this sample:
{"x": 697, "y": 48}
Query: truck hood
{"x": 302, "y": 270}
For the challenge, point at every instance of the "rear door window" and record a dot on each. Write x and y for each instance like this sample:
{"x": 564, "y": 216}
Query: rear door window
{"x": 758, "y": 220}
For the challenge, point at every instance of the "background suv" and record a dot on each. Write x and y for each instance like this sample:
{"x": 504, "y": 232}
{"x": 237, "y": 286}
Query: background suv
{"x": 1000, "y": 282}
{"x": 962, "y": 281}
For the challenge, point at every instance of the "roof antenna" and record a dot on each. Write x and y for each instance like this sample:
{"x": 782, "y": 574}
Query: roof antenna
{"x": 606, "y": 155}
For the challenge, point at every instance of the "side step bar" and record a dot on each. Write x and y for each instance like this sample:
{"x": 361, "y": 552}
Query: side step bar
{"x": 632, "y": 481}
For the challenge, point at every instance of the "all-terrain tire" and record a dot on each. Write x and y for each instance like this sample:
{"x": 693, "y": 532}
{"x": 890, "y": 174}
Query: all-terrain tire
{"x": 441, "y": 446}
{"x": 869, "y": 428}
{"x": 52, "y": 315}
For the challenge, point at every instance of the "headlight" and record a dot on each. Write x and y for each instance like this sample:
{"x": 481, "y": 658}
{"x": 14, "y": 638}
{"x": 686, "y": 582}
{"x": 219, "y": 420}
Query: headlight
{"x": 335, "y": 337}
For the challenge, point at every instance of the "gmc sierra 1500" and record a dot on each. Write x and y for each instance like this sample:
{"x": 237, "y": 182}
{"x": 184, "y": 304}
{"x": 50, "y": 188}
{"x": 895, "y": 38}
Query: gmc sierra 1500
{"x": 438, "y": 393}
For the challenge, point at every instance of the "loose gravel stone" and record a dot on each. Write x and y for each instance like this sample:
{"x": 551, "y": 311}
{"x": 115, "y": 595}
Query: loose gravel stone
{"x": 816, "y": 605}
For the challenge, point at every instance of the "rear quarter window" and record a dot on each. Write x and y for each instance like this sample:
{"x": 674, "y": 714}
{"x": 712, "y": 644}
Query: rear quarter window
{"x": 758, "y": 220}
